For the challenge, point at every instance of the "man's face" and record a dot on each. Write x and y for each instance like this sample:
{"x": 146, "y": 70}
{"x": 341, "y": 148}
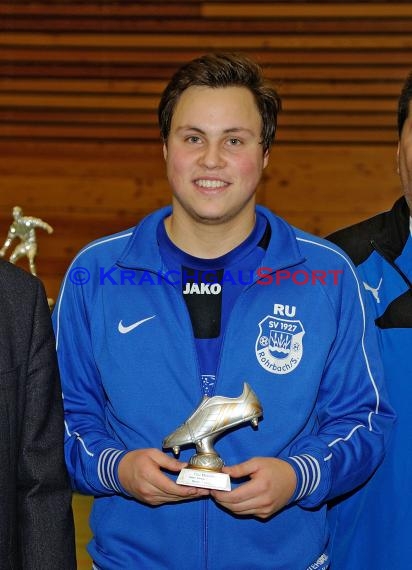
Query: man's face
{"x": 405, "y": 158}
{"x": 213, "y": 154}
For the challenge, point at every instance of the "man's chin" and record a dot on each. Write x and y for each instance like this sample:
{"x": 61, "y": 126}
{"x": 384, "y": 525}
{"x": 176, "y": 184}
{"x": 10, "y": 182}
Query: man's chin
{"x": 212, "y": 220}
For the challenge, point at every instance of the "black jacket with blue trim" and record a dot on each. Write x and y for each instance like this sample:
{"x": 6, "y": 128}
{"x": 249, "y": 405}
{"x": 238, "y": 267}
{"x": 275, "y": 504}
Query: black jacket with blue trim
{"x": 373, "y": 525}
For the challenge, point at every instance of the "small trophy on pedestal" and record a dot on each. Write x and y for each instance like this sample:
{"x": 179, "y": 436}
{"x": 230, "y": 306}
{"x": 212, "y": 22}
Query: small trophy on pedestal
{"x": 24, "y": 228}
{"x": 211, "y": 418}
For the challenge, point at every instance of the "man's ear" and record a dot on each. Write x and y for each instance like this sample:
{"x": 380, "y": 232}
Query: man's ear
{"x": 397, "y": 157}
{"x": 164, "y": 151}
{"x": 266, "y": 159}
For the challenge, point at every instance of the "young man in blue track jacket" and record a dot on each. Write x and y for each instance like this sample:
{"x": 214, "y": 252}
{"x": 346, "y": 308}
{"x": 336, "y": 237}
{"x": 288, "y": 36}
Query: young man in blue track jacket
{"x": 375, "y": 523}
{"x": 194, "y": 301}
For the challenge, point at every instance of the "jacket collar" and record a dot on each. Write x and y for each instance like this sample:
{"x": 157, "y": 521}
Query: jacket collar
{"x": 392, "y": 236}
{"x": 142, "y": 251}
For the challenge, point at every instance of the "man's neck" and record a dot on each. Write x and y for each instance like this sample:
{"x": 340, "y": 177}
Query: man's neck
{"x": 208, "y": 241}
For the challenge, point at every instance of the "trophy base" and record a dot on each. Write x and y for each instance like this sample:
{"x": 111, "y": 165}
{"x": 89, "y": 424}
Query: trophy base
{"x": 204, "y": 479}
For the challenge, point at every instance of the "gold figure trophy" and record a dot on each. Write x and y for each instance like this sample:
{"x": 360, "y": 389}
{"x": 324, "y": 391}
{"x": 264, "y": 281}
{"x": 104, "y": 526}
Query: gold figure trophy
{"x": 24, "y": 229}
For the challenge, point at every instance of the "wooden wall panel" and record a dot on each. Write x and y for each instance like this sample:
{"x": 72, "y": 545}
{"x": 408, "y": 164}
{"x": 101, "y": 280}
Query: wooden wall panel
{"x": 80, "y": 82}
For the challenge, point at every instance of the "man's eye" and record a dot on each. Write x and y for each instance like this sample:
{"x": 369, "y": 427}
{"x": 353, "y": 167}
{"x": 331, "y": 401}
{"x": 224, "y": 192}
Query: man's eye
{"x": 193, "y": 139}
{"x": 234, "y": 141}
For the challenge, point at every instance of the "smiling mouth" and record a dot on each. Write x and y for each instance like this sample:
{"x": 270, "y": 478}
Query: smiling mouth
{"x": 211, "y": 183}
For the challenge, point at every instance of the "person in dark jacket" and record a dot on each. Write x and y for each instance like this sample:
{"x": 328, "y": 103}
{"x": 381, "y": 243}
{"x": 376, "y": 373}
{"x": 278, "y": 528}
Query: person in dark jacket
{"x": 374, "y": 524}
{"x": 36, "y": 522}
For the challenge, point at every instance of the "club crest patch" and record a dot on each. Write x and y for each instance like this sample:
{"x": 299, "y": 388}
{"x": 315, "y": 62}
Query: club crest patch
{"x": 279, "y": 346}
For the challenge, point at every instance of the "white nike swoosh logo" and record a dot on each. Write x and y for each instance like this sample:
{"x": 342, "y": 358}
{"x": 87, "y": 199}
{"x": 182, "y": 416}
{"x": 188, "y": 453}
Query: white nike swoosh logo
{"x": 123, "y": 329}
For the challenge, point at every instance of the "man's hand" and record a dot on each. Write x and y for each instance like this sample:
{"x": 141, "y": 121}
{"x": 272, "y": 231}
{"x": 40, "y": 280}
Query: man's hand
{"x": 140, "y": 474}
{"x": 271, "y": 486}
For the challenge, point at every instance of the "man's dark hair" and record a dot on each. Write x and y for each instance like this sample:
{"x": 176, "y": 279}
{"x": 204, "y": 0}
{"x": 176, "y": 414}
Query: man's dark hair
{"x": 223, "y": 70}
{"x": 403, "y": 104}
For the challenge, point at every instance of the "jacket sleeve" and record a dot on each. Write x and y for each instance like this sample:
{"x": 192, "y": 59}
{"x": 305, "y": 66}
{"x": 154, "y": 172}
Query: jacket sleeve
{"x": 92, "y": 453}
{"x": 354, "y": 416}
{"x": 45, "y": 520}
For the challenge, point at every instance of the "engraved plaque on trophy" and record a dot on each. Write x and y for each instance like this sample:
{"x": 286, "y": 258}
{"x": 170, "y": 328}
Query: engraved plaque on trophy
{"x": 211, "y": 418}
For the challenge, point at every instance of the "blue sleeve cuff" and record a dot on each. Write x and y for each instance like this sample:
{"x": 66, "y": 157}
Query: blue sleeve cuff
{"x": 307, "y": 472}
{"x": 107, "y": 469}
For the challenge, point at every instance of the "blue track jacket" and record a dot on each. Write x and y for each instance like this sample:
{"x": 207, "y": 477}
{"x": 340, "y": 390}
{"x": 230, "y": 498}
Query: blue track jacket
{"x": 298, "y": 335}
{"x": 373, "y": 526}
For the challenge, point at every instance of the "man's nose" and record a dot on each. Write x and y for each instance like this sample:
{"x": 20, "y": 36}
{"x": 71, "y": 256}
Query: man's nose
{"x": 212, "y": 157}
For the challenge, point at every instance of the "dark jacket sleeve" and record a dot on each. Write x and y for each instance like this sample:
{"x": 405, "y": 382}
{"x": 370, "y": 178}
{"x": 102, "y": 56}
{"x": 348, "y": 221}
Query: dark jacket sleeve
{"x": 44, "y": 514}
